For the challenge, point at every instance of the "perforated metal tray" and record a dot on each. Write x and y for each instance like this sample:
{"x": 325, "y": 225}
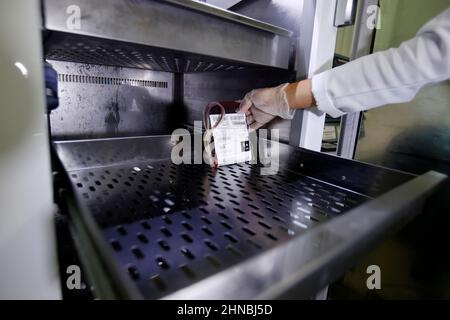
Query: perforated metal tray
{"x": 171, "y": 228}
{"x": 175, "y": 36}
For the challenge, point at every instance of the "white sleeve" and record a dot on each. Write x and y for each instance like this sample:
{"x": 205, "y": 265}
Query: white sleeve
{"x": 387, "y": 77}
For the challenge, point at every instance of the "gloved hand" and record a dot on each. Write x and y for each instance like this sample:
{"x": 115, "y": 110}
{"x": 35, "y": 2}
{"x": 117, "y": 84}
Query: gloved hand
{"x": 51, "y": 86}
{"x": 263, "y": 105}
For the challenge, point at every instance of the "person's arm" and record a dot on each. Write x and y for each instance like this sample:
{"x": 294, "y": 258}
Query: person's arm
{"x": 392, "y": 76}
{"x": 299, "y": 95}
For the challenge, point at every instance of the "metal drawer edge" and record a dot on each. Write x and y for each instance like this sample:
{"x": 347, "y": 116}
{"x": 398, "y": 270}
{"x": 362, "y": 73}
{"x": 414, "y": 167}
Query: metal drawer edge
{"x": 341, "y": 242}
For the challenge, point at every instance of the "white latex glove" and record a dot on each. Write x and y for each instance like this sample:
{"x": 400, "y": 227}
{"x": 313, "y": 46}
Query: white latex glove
{"x": 263, "y": 105}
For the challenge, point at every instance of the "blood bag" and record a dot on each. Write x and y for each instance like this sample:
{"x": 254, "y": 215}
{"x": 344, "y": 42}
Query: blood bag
{"x": 227, "y": 137}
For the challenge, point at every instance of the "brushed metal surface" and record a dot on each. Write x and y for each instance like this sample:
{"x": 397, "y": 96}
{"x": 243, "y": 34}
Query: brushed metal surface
{"x": 99, "y": 101}
{"x": 232, "y": 16}
{"x": 162, "y": 26}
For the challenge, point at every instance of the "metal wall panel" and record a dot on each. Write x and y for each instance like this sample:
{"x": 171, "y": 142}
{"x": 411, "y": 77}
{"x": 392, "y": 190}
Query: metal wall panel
{"x": 98, "y": 101}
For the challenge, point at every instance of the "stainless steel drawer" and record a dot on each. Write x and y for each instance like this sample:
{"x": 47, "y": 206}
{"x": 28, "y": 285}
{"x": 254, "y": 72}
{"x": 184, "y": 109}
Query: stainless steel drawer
{"x": 152, "y": 229}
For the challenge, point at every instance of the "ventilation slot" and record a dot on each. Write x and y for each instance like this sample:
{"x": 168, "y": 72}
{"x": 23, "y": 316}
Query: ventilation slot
{"x": 62, "y": 77}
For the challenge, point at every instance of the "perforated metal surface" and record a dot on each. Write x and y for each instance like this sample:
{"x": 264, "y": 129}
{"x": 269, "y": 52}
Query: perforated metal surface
{"x": 114, "y": 81}
{"x": 104, "y": 52}
{"x": 171, "y": 226}
{"x": 162, "y": 36}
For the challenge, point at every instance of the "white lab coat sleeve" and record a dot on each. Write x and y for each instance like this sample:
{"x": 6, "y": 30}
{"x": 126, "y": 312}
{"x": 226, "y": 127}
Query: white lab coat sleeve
{"x": 392, "y": 76}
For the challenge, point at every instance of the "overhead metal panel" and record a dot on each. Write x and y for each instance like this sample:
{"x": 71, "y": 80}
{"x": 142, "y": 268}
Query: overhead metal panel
{"x": 177, "y": 36}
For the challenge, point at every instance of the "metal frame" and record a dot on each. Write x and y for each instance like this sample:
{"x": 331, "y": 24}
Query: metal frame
{"x": 94, "y": 254}
{"x": 314, "y": 56}
{"x": 361, "y": 46}
{"x": 28, "y": 263}
{"x": 307, "y": 125}
{"x": 345, "y": 13}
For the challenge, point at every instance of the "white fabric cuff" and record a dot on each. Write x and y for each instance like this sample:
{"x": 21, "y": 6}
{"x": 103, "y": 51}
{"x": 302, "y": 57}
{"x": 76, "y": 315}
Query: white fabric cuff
{"x": 323, "y": 99}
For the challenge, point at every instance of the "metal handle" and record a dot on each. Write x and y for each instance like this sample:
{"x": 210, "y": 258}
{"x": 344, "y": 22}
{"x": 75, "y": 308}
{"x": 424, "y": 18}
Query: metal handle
{"x": 345, "y": 13}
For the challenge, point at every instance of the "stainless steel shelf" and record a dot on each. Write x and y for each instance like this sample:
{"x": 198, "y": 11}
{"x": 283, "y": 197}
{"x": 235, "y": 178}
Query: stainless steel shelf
{"x": 232, "y": 16}
{"x": 175, "y": 36}
{"x": 192, "y": 232}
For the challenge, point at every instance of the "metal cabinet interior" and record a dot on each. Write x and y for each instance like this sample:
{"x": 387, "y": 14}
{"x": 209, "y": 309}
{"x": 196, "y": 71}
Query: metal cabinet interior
{"x": 218, "y": 55}
{"x": 146, "y": 228}
{"x": 99, "y": 101}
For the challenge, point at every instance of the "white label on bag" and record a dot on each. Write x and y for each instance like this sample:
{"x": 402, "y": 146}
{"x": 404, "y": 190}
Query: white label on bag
{"x": 231, "y": 139}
